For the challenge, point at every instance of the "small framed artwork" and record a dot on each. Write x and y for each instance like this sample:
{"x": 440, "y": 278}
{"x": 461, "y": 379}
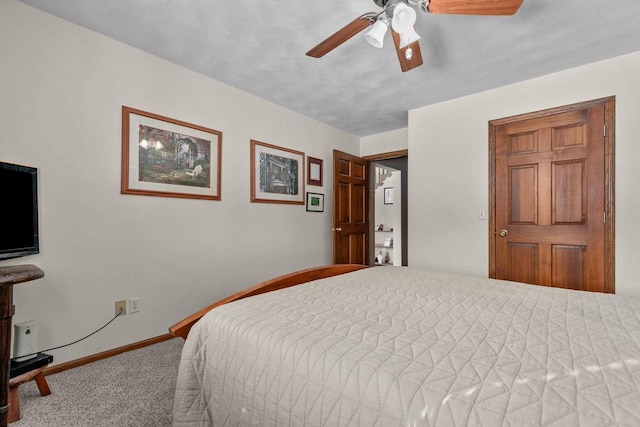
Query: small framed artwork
{"x": 388, "y": 196}
{"x": 168, "y": 157}
{"x": 315, "y": 202}
{"x": 314, "y": 171}
{"x": 277, "y": 174}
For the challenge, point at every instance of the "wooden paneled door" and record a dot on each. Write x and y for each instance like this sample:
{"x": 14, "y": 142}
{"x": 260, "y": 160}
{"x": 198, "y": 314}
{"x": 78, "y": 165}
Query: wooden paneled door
{"x": 552, "y": 195}
{"x": 350, "y": 209}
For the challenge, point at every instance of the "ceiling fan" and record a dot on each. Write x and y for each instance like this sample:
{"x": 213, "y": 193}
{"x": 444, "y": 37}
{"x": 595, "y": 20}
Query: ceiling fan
{"x": 401, "y": 16}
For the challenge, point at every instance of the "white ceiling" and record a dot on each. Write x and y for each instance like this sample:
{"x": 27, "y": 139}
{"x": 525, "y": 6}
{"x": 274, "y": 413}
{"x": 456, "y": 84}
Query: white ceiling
{"x": 259, "y": 46}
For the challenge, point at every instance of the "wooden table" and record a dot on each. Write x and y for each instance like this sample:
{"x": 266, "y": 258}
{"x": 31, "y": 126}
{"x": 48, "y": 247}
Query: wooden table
{"x": 9, "y": 276}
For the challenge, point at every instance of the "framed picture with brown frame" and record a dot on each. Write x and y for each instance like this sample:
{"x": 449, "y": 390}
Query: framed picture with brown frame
{"x": 314, "y": 171}
{"x": 168, "y": 157}
{"x": 277, "y": 174}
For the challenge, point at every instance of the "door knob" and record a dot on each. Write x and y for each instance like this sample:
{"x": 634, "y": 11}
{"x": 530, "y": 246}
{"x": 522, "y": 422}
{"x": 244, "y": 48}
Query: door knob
{"x": 504, "y": 233}
{"x": 336, "y": 229}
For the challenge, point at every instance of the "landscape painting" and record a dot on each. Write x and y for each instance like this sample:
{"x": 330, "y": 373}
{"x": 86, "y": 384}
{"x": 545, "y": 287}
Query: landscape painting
{"x": 173, "y": 158}
{"x": 168, "y": 157}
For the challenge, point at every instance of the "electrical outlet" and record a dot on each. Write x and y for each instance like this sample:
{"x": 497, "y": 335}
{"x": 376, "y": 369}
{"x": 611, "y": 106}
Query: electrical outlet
{"x": 134, "y": 305}
{"x": 121, "y": 305}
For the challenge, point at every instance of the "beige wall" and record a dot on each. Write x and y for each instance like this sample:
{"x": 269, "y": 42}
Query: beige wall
{"x": 448, "y": 165}
{"x": 385, "y": 142}
{"x": 61, "y": 92}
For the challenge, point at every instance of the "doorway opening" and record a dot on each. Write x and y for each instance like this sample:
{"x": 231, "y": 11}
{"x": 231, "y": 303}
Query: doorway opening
{"x": 387, "y": 227}
{"x": 388, "y": 210}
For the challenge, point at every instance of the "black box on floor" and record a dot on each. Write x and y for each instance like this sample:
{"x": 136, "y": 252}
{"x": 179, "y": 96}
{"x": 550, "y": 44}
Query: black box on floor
{"x": 19, "y": 368}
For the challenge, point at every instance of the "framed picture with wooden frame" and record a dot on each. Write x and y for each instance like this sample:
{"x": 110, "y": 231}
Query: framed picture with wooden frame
{"x": 314, "y": 171}
{"x": 168, "y": 157}
{"x": 277, "y": 174}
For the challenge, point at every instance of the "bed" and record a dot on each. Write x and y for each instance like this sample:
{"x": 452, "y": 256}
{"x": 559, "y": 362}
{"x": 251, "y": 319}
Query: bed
{"x": 397, "y": 346}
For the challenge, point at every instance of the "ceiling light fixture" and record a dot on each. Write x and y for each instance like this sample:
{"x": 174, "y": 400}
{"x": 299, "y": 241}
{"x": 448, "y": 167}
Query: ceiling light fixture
{"x": 375, "y": 36}
{"x": 403, "y": 18}
{"x": 408, "y": 37}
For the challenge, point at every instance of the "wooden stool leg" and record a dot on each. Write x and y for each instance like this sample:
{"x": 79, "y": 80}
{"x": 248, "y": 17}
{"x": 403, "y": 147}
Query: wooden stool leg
{"x": 14, "y": 395}
{"x": 42, "y": 385}
{"x": 14, "y": 404}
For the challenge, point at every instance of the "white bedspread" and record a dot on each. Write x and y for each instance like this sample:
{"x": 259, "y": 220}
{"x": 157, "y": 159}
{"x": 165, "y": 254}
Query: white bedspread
{"x": 394, "y": 346}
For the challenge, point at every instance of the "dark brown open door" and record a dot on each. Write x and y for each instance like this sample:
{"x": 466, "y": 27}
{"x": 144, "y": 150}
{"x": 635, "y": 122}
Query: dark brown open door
{"x": 350, "y": 209}
{"x": 552, "y": 198}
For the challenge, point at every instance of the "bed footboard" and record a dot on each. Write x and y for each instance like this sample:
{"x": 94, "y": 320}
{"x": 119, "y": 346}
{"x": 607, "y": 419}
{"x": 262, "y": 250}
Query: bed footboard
{"x": 181, "y": 329}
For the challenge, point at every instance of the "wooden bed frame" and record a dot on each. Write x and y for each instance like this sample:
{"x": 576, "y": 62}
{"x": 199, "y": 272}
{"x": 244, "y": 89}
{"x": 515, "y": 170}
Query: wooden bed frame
{"x": 182, "y": 328}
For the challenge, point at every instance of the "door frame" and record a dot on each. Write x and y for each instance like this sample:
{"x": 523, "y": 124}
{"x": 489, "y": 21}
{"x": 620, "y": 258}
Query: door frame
{"x": 609, "y": 178}
{"x": 371, "y": 194}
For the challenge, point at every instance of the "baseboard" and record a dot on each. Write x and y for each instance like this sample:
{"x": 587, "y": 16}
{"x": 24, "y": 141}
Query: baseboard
{"x": 105, "y": 354}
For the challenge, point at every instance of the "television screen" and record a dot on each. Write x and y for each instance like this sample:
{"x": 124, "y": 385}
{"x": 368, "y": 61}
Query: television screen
{"x": 19, "y": 223}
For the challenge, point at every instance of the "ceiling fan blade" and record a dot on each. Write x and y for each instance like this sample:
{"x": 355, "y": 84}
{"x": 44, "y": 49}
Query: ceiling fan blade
{"x": 342, "y": 35}
{"x": 414, "y": 60}
{"x": 475, "y": 7}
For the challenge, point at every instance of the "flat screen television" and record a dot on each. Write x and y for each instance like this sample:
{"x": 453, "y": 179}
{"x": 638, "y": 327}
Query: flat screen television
{"x": 19, "y": 206}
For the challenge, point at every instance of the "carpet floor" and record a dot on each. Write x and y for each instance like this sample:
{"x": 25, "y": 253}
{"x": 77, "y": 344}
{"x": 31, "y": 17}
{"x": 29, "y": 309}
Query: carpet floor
{"x": 131, "y": 389}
